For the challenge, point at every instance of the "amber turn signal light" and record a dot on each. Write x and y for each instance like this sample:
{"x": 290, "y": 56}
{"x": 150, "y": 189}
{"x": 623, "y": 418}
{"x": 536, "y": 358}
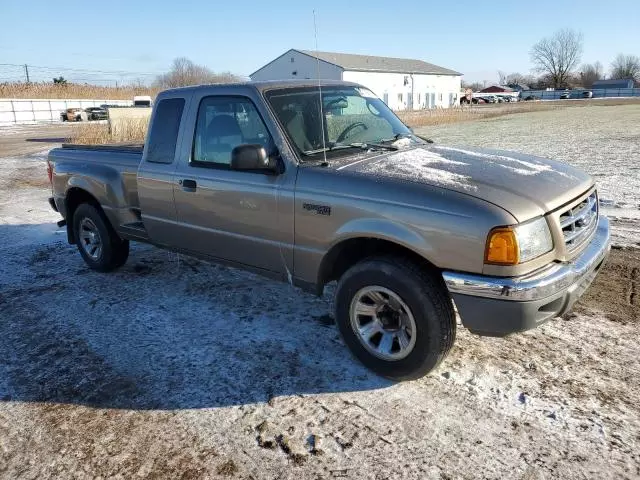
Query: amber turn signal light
{"x": 502, "y": 247}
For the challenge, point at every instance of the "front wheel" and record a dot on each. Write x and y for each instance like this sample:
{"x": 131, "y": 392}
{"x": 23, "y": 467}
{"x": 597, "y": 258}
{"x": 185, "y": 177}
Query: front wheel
{"x": 395, "y": 317}
{"x": 101, "y": 248}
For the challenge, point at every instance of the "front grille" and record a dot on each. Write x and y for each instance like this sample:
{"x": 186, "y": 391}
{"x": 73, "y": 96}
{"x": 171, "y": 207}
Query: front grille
{"x": 579, "y": 222}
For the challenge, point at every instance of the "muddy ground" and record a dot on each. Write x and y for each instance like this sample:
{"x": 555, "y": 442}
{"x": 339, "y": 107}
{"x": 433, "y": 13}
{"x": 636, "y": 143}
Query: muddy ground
{"x": 175, "y": 368}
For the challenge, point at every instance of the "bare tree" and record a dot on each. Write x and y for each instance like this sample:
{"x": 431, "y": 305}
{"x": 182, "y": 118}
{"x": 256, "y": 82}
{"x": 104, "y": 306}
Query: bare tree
{"x": 184, "y": 72}
{"x": 519, "y": 79}
{"x": 541, "y": 83}
{"x": 475, "y": 86}
{"x": 626, "y": 66}
{"x": 590, "y": 73}
{"x": 502, "y": 78}
{"x": 557, "y": 56}
{"x": 515, "y": 78}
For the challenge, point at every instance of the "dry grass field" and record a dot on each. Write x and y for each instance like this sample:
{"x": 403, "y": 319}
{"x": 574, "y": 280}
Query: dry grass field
{"x": 128, "y": 131}
{"x": 72, "y": 91}
{"x": 446, "y": 116}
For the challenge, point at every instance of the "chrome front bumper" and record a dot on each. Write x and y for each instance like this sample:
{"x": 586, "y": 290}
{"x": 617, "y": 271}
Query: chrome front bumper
{"x": 500, "y": 306}
{"x": 550, "y": 280}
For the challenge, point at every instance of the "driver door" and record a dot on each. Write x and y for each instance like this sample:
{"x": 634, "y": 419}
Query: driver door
{"x": 229, "y": 214}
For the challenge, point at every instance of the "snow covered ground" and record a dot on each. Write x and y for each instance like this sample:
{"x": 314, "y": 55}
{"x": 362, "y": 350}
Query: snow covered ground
{"x": 174, "y": 368}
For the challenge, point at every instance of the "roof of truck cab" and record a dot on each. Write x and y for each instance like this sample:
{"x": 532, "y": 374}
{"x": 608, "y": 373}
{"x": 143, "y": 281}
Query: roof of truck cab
{"x": 263, "y": 85}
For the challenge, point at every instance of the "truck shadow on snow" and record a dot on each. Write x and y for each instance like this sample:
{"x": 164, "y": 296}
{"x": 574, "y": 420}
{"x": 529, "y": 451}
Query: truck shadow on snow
{"x": 163, "y": 332}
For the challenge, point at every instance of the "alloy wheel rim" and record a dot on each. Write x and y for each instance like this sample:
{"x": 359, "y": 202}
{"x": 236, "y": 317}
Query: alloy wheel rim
{"x": 90, "y": 239}
{"x": 383, "y": 323}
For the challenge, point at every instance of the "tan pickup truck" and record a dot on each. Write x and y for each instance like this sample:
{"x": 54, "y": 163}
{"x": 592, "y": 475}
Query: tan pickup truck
{"x": 313, "y": 185}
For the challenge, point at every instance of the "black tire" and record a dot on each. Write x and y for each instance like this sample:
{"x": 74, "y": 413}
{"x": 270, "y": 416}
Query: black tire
{"x": 425, "y": 295}
{"x": 114, "y": 250}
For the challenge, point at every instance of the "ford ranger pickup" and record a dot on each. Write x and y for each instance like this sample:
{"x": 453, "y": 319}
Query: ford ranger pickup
{"x": 317, "y": 183}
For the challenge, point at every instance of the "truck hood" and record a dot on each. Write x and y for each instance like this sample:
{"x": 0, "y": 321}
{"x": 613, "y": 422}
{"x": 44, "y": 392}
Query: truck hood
{"x": 524, "y": 185}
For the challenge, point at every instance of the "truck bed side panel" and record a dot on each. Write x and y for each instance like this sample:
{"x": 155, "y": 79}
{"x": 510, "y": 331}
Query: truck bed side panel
{"x": 108, "y": 175}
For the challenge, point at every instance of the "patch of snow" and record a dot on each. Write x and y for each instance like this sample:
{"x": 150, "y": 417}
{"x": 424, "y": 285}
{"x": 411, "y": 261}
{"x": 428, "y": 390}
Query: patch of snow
{"x": 26, "y": 125}
{"x": 402, "y": 143}
{"x": 530, "y": 168}
{"x": 25, "y": 213}
{"x": 422, "y": 165}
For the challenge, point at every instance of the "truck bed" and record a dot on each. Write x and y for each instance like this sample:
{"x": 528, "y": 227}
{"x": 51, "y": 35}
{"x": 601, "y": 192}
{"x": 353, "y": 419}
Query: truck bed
{"x": 115, "y": 166}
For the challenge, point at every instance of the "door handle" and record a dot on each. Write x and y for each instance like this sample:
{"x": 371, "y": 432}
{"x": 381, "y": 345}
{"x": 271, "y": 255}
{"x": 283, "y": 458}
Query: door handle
{"x": 188, "y": 185}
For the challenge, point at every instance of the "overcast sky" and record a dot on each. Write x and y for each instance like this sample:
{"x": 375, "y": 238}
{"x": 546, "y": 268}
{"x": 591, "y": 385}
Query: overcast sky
{"x": 119, "y": 40}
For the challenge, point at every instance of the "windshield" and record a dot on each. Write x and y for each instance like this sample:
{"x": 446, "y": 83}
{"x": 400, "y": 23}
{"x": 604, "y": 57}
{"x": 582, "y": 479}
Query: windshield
{"x": 353, "y": 116}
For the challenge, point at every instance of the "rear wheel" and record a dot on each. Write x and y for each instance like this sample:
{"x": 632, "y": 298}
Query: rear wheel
{"x": 395, "y": 317}
{"x": 101, "y": 248}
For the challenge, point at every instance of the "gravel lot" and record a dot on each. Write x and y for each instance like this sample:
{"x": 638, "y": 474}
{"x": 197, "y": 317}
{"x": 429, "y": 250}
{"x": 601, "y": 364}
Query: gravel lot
{"x": 27, "y": 139}
{"x": 174, "y": 368}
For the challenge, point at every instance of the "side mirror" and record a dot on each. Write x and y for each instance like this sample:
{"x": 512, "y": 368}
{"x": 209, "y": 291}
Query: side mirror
{"x": 251, "y": 157}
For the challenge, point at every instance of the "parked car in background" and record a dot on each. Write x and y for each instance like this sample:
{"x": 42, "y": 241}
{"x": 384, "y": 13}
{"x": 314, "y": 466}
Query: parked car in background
{"x": 587, "y": 94}
{"x": 474, "y": 100}
{"x": 565, "y": 95}
{"x": 73, "y": 115}
{"x": 251, "y": 176}
{"x": 531, "y": 98}
{"x": 96, "y": 113}
{"x": 142, "y": 101}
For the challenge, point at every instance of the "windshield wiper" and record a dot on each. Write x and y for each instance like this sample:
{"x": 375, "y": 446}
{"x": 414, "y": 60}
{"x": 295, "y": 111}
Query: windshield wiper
{"x": 358, "y": 145}
{"x": 425, "y": 139}
{"x": 328, "y": 149}
{"x": 370, "y": 145}
{"x": 398, "y": 136}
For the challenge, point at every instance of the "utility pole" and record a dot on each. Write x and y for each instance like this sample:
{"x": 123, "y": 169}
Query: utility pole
{"x": 26, "y": 71}
{"x": 412, "y": 106}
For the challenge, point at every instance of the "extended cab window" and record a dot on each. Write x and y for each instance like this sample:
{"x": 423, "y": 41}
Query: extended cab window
{"x": 223, "y": 124}
{"x": 164, "y": 131}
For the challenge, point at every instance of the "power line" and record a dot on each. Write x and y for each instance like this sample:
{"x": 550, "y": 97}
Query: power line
{"x": 79, "y": 70}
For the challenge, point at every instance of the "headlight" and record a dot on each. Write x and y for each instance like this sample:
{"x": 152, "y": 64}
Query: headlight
{"x": 534, "y": 239}
{"x": 519, "y": 244}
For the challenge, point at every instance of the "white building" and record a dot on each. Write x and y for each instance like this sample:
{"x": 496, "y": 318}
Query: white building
{"x": 403, "y": 84}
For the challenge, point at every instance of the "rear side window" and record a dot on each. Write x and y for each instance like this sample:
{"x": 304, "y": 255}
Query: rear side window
{"x": 164, "y": 130}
